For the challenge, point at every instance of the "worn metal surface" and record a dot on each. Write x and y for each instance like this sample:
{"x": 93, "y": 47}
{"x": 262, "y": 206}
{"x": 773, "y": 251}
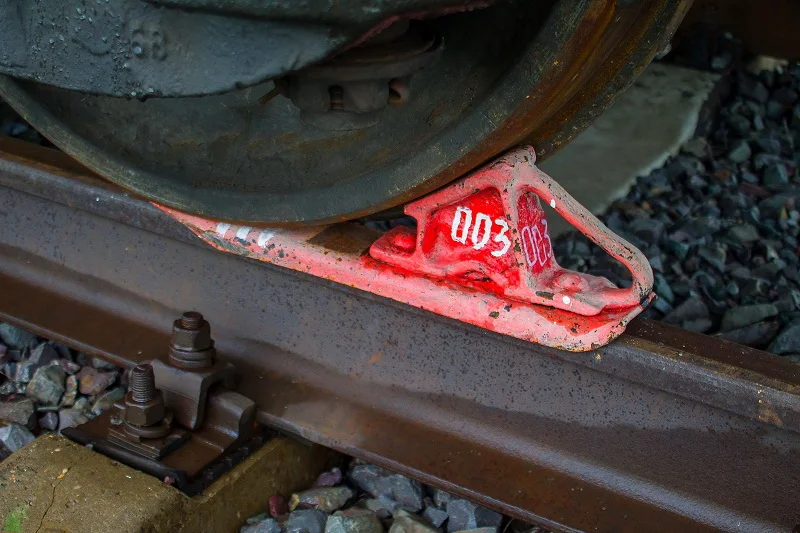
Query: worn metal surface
{"x": 139, "y": 49}
{"x": 349, "y": 90}
{"x": 511, "y": 285}
{"x": 134, "y": 49}
{"x": 518, "y": 71}
{"x": 662, "y": 430}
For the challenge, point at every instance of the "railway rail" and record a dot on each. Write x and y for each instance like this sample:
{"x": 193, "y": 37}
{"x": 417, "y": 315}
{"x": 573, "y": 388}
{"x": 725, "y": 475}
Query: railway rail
{"x": 661, "y": 430}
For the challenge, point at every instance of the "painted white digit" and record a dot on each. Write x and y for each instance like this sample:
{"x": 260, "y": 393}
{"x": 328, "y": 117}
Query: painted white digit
{"x": 547, "y": 236}
{"x": 528, "y": 245}
{"x": 538, "y": 242}
{"x": 501, "y": 237}
{"x": 467, "y": 212}
{"x": 484, "y": 221}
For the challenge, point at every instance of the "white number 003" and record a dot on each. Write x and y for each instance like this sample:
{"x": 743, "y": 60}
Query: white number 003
{"x": 481, "y": 231}
{"x": 536, "y": 242}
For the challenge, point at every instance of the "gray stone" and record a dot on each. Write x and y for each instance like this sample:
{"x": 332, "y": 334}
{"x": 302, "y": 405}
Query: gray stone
{"x": 749, "y": 177}
{"x": 102, "y": 364}
{"x": 775, "y": 110}
{"x": 739, "y": 124}
{"x": 268, "y": 525}
{"x": 405, "y": 522}
{"x": 15, "y": 436}
{"x": 714, "y": 256}
{"x": 785, "y": 96}
{"x": 63, "y": 351}
{"x": 21, "y": 411}
{"x": 382, "y": 506}
{"x": 678, "y": 249}
{"x": 82, "y": 404}
{"x": 47, "y": 385}
{"x": 697, "y": 325}
{"x": 769, "y": 145}
{"x": 762, "y": 161}
{"x": 70, "y": 392}
{"x": 753, "y": 89}
{"x": 49, "y": 421}
{"x": 107, "y": 400}
{"x": 756, "y": 335}
{"x": 16, "y": 338}
{"x": 738, "y": 317}
{"x": 754, "y": 289}
{"x": 44, "y": 354}
{"x": 691, "y": 309}
{"x": 354, "y": 520}
{"x": 434, "y": 515}
{"x": 440, "y": 497}
{"x": 69, "y": 418}
{"x": 661, "y": 305}
{"x": 463, "y": 514}
{"x": 7, "y": 388}
{"x": 92, "y": 382}
{"x": 776, "y": 176}
{"x": 331, "y": 478}
{"x": 306, "y": 521}
{"x": 260, "y": 517}
{"x": 647, "y": 229}
{"x": 740, "y": 152}
{"x": 366, "y": 477}
{"x": 68, "y": 366}
{"x": 744, "y": 233}
{"x": 327, "y": 499}
{"x": 697, "y": 146}
{"x": 787, "y": 341}
{"x": 485, "y": 530}
{"x": 403, "y": 490}
{"x": 22, "y": 372}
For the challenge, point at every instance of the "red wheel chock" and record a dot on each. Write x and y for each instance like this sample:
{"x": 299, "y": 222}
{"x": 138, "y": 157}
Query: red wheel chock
{"x": 481, "y": 254}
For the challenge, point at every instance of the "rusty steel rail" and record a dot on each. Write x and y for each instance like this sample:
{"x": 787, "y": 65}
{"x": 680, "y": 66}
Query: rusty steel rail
{"x": 663, "y": 430}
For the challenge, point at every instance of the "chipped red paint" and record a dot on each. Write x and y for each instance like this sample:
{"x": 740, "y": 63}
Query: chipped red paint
{"x": 481, "y": 255}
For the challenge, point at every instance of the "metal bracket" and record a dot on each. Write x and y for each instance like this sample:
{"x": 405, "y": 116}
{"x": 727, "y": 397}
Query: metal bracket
{"x": 172, "y": 423}
{"x": 488, "y": 231}
{"x": 481, "y": 254}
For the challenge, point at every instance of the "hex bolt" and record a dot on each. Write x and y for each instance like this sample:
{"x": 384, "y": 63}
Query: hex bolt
{"x": 145, "y": 413}
{"x": 191, "y": 347}
{"x": 142, "y": 383}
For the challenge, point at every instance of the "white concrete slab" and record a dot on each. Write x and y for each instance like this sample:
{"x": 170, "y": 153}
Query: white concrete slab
{"x": 644, "y": 127}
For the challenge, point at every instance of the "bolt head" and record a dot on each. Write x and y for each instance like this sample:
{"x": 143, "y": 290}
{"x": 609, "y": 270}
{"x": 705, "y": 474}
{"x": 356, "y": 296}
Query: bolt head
{"x": 144, "y": 413}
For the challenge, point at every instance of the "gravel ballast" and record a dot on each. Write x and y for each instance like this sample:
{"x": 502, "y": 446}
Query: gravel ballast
{"x": 46, "y": 387}
{"x": 720, "y": 222}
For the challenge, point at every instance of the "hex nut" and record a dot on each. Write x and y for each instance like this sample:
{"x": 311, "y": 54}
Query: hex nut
{"x": 194, "y": 359}
{"x": 144, "y": 413}
{"x": 191, "y": 340}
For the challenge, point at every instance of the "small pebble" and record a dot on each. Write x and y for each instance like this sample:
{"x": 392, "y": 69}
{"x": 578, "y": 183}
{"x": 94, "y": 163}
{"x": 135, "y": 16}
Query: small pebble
{"x": 354, "y": 520}
{"x": 306, "y": 521}
{"x": 327, "y": 499}
{"x": 14, "y": 436}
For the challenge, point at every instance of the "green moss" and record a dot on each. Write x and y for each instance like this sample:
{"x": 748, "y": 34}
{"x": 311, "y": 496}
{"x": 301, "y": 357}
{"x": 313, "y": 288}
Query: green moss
{"x": 14, "y": 519}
